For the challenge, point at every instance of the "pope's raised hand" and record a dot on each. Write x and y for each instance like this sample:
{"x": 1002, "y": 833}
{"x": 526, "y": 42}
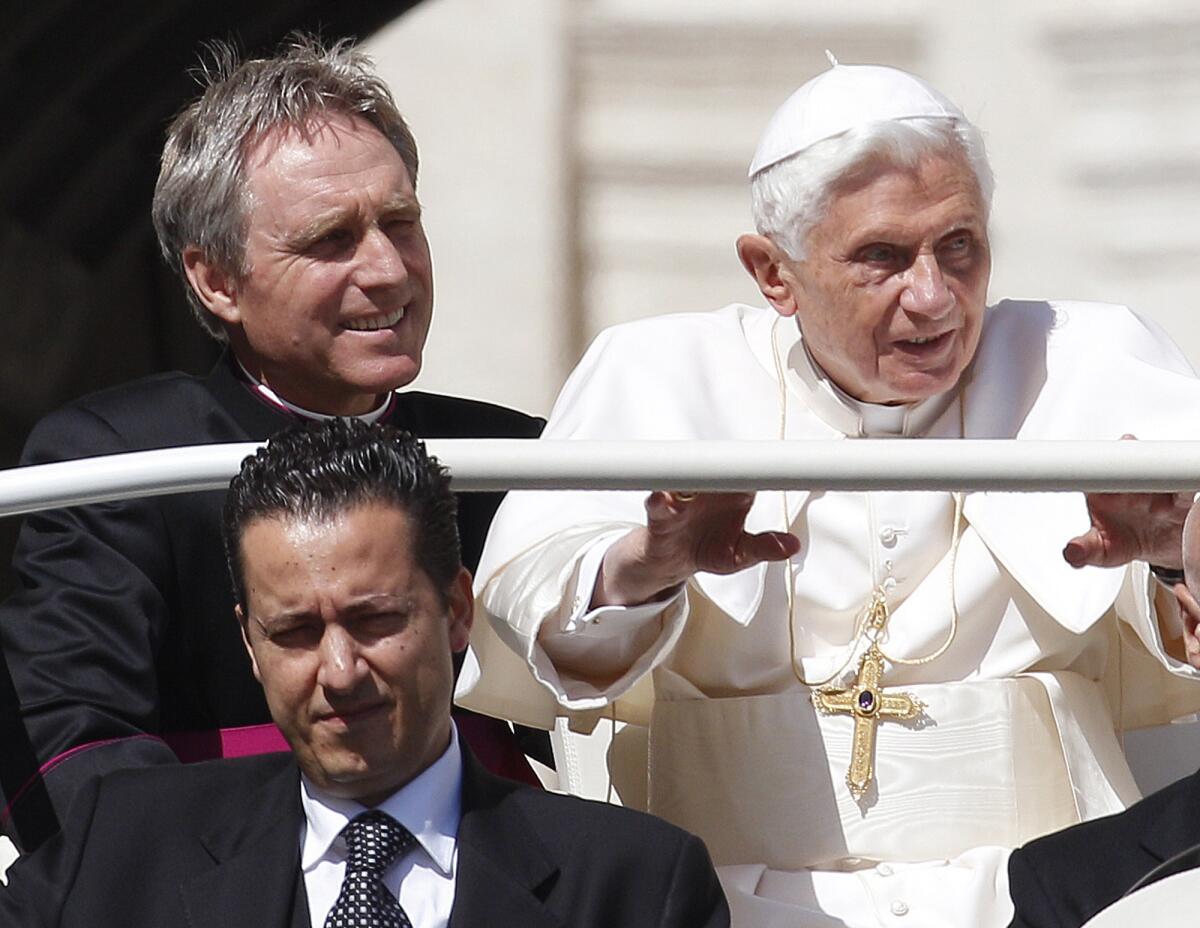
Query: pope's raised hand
{"x": 685, "y": 533}
{"x": 1131, "y": 526}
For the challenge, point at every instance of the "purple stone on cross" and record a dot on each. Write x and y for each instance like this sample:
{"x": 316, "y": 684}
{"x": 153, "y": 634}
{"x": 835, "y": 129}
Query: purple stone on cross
{"x": 866, "y": 700}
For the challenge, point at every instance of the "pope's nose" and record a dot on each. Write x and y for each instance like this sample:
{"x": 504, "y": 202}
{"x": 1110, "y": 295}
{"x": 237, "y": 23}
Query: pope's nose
{"x": 925, "y": 292}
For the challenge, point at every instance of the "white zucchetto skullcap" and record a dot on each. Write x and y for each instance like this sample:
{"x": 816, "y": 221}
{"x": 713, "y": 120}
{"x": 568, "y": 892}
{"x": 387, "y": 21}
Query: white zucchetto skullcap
{"x": 843, "y": 98}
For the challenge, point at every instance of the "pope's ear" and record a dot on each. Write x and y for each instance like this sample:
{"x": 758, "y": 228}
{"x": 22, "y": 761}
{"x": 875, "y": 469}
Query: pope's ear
{"x": 764, "y": 261}
{"x": 213, "y": 286}
{"x": 1190, "y": 610}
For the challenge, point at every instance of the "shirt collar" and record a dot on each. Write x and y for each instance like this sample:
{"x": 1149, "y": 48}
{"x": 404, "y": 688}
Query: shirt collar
{"x": 852, "y": 417}
{"x": 429, "y": 805}
{"x": 371, "y": 416}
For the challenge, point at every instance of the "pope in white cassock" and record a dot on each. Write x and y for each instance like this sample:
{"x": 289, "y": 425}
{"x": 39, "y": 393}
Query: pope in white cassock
{"x": 755, "y": 635}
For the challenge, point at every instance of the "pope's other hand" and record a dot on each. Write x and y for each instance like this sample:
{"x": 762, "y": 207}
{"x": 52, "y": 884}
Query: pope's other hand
{"x": 1131, "y": 526}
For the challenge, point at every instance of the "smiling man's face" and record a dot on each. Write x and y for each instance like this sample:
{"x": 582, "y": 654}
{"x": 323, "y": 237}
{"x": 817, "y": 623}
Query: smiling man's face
{"x": 335, "y": 303}
{"x": 891, "y": 293}
{"x": 352, "y": 644}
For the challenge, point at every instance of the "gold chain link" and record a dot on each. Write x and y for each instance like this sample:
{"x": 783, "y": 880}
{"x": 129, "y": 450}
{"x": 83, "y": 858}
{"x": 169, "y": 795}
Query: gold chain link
{"x": 872, "y": 621}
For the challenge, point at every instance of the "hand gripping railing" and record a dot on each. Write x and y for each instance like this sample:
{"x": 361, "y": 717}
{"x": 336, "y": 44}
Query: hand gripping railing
{"x": 501, "y": 464}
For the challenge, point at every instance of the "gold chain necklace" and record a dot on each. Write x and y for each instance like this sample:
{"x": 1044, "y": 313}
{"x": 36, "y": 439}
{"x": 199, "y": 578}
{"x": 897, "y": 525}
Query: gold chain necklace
{"x": 872, "y": 621}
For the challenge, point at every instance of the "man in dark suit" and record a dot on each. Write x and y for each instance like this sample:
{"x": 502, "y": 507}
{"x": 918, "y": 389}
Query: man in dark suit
{"x": 351, "y": 597}
{"x": 1066, "y": 878}
{"x": 287, "y": 202}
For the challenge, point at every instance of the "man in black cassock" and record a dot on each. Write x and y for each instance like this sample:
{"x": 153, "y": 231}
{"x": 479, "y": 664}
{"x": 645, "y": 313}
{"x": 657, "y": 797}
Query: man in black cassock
{"x": 287, "y": 202}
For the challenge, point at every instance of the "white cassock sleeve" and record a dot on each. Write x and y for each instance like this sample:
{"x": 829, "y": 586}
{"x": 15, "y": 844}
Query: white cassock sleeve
{"x": 586, "y": 657}
{"x": 1165, "y": 688}
{"x": 544, "y": 549}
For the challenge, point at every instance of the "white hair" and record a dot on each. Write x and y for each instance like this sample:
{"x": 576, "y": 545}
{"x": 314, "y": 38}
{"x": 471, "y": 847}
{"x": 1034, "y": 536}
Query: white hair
{"x": 789, "y": 198}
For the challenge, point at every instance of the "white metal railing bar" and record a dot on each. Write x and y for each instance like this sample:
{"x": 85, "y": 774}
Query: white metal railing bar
{"x": 500, "y": 464}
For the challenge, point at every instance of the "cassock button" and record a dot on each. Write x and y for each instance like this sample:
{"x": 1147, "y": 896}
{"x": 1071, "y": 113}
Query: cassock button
{"x": 899, "y": 908}
{"x": 884, "y": 870}
{"x": 887, "y": 537}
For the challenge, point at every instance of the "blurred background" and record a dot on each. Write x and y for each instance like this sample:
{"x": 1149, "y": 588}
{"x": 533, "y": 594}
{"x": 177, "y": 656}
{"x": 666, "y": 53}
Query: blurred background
{"x": 586, "y": 159}
{"x": 583, "y": 163}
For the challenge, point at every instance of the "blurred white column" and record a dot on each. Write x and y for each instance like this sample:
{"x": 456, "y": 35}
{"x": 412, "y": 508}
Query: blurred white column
{"x": 481, "y": 84}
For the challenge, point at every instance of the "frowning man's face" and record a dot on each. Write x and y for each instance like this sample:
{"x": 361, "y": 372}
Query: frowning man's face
{"x": 352, "y": 643}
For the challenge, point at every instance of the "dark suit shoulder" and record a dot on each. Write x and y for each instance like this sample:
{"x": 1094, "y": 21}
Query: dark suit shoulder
{"x": 1067, "y": 877}
{"x": 561, "y": 819}
{"x": 175, "y": 803}
{"x": 589, "y": 863}
{"x": 153, "y": 846}
{"x": 157, "y": 411}
{"x": 1112, "y": 834}
{"x": 588, "y": 814}
{"x": 436, "y": 415}
{"x": 183, "y": 783}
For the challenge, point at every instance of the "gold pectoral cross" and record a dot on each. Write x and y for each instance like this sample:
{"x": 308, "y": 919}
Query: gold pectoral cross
{"x": 869, "y": 705}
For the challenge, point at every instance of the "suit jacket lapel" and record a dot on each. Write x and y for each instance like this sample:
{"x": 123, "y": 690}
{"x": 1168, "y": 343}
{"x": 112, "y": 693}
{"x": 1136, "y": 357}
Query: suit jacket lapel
{"x": 255, "y": 849}
{"x": 504, "y": 871}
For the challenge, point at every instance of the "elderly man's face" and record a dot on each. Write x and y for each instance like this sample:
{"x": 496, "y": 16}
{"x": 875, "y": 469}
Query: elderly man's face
{"x": 890, "y": 297}
{"x": 337, "y": 300}
{"x": 352, "y": 645}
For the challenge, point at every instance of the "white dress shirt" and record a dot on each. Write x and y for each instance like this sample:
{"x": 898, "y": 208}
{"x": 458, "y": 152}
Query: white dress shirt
{"x": 430, "y": 806}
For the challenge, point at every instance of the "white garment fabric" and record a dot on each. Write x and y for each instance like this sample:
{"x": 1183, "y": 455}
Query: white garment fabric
{"x": 1018, "y": 735}
{"x": 430, "y": 806}
{"x": 8, "y": 854}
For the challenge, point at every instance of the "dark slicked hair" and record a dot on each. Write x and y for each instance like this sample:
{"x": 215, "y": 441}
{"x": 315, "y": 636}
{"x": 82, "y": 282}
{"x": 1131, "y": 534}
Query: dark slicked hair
{"x": 315, "y": 471}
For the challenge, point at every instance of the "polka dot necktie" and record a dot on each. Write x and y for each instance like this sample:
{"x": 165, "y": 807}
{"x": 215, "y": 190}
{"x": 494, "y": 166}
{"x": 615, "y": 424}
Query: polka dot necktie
{"x": 374, "y": 840}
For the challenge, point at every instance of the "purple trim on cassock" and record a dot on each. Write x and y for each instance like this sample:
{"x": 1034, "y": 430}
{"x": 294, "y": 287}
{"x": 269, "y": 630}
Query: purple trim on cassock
{"x": 192, "y": 746}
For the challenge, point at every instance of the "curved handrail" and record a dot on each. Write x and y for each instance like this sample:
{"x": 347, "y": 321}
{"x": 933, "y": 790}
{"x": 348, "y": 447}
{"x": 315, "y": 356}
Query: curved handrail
{"x": 500, "y": 464}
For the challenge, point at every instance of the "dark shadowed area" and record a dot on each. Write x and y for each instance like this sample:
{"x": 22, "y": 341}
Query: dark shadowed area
{"x": 85, "y": 300}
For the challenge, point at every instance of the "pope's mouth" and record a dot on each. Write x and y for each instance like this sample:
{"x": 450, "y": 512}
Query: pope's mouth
{"x": 375, "y": 323}
{"x": 925, "y": 345}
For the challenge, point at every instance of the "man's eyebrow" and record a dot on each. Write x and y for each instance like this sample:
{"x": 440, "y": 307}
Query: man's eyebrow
{"x": 401, "y": 203}
{"x": 370, "y": 601}
{"x": 397, "y": 602}
{"x": 279, "y": 621}
{"x": 321, "y": 224}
